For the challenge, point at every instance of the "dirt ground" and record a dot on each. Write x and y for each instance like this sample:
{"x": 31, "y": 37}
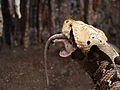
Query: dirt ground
{"x": 24, "y": 70}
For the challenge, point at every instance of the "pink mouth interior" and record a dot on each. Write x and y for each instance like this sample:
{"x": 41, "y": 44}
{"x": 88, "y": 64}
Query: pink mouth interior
{"x": 64, "y": 53}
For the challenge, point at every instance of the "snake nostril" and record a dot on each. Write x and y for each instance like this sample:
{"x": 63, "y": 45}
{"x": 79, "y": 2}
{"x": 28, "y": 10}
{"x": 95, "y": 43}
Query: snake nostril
{"x": 67, "y": 21}
{"x": 88, "y": 42}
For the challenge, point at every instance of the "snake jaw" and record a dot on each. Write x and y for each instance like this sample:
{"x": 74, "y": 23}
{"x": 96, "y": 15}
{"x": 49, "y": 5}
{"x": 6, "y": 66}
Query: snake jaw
{"x": 69, "y": 47}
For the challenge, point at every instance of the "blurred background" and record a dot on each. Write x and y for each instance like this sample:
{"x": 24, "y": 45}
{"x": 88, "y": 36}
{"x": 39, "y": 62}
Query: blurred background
{"x": 40, "y": 19}
{"x": 25, "y": 25}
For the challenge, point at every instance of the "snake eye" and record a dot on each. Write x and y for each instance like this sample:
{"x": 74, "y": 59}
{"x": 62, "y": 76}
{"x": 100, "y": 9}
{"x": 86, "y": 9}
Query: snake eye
{"x": 100, "y": 41}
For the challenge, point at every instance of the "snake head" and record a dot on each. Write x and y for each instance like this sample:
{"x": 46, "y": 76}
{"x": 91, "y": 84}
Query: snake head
{"x": 67, "y": 26}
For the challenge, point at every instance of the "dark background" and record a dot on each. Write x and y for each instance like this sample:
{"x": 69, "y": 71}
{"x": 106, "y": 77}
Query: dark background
{"x": 43, "y": 18}
{"x": 22, "y": 41}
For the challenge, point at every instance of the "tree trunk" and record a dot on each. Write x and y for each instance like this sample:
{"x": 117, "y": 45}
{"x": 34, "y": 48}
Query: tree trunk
{"x": 47, "y": 16}
{"x": 7, "y": 22}
{"x": 25, "y": 23}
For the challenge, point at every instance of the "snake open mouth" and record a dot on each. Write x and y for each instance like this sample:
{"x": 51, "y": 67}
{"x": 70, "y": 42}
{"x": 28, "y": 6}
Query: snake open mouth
{"x": 68, "y": 47}
{"x": 69, "y": 44}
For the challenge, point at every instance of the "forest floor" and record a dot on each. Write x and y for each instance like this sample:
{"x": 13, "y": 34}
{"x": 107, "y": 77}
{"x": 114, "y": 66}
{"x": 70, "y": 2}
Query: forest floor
{"x": 24, "y": 70}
